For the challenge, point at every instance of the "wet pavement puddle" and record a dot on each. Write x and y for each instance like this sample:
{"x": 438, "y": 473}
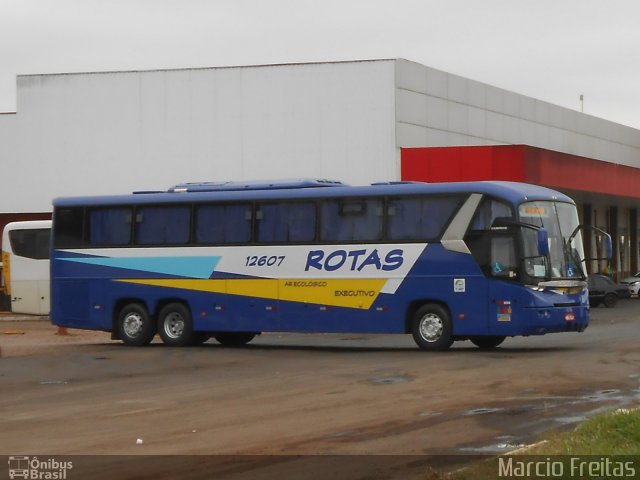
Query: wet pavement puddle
{"x": 390, "y": 380}
{"x": 527, "y": 421}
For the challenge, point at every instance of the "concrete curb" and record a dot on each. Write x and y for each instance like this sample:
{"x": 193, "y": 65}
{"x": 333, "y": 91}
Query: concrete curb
{"x": 23, "y": 318}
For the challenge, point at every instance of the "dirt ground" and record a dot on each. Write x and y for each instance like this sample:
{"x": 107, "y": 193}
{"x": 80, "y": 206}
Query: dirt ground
{"x": 22, "y": 335}
{"x": 346, "y": 398}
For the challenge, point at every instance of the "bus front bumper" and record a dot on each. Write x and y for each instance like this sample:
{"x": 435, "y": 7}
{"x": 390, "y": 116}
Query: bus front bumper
{"x": 556, "y": 319}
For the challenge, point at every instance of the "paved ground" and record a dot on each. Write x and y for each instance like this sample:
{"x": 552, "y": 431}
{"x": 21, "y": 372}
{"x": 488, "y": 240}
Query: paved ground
{"x": 296, "y": 394}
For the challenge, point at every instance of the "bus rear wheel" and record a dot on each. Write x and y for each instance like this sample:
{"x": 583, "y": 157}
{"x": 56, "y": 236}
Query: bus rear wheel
{"x": 135, "y": 326}
{"x": 431, "y": 328}
{"x": 487, "y": 342}
{"x": 234, "y": 339}
{"x": 175, "y": 326}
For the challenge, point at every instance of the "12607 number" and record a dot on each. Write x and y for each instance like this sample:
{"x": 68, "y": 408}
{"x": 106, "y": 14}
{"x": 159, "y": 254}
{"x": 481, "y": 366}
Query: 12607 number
{"x": 265, "y": 261}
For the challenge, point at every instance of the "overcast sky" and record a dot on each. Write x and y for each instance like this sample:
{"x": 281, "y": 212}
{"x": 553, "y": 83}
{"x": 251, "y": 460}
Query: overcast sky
{"x": 553, "y": 50}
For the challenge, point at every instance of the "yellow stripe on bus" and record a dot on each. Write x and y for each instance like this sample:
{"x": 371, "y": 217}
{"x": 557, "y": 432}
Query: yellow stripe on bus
{"x": 350, "y": 293}
{"x": 6, "y": 267}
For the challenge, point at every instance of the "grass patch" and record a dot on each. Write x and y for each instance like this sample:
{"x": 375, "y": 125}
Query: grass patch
{"x": 614, "y": 433}
{"x": 601, "y": 441}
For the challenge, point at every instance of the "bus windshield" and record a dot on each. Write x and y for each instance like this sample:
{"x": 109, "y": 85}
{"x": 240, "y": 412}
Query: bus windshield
{"x": 565, "y": 253}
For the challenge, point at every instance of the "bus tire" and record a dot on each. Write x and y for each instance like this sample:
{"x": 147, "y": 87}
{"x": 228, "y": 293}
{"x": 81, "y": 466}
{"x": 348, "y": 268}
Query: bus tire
{"x": 487, "y": 342}
{"x": 234, "y": 339}
{"x": 431, "y": 328}
{"x": 135, "y": 327}
{"x": 175, "y": 326}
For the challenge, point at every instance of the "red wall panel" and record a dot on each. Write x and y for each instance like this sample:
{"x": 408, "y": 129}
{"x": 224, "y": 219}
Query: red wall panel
{"x": 451, "y": 164}
{"x": 520, "y": 163}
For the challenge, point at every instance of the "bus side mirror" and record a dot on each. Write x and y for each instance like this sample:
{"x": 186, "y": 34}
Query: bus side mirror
{"x": 608, "y": 246}
{"x": 543, "y": 242}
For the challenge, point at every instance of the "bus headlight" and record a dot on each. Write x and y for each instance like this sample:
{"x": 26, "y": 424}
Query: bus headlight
{"x": 535, "y": 288}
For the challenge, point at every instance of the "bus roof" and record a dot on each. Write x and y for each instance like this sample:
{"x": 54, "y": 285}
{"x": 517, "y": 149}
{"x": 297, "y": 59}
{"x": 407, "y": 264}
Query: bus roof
{"x": 27, "y": 225}
{"x": 513, "y": 192}
{"x": 254, "y": 185}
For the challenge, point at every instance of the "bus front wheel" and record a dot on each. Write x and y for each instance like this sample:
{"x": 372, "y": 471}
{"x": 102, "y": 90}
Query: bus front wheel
{"x": 135, "y": 326}
{"x": 175, "y": 326}
{"x": 431, "y": 328}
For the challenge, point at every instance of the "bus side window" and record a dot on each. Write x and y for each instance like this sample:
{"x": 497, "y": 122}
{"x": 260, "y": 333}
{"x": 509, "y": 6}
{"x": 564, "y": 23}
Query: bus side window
{"x": 223, "y": 224}
{"x": 420, "y": 218}
{"x": 482, "y": 243}
{"x": 69, "y": 227}
{"x": 110, "y": 226}
{"x": 163, "y": 225}
{"x": 287, "y": 222}
{"x": 349, "y": 220}
{"x": 488, "y": 211}
{"x": 32, "y": 243}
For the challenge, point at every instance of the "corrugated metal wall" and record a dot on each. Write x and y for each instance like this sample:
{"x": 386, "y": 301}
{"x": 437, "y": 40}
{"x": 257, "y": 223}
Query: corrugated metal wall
{"x": 437, "y": 108}
{"x": 110, "y": 133}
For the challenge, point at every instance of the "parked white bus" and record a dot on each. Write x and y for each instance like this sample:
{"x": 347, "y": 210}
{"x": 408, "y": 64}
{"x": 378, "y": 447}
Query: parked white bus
{"x": 25, "y": 259}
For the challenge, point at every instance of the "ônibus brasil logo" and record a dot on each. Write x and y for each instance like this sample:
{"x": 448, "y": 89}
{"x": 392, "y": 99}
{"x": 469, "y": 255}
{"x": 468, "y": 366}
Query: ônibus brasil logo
{"x": 37, "y": 469}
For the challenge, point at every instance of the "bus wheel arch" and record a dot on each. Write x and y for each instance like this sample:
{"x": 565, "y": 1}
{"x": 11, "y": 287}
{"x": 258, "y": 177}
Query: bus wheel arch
{"x": 175, "y": 324}
{"x": 431, "y": 326}
{"x": 134, "y": 325}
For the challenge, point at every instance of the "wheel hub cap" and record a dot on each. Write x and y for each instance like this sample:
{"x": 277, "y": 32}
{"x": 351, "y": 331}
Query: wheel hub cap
{"x": 174, "y": 325}
{"x": 132, "y": 325}
{"x": 431, "y": 327}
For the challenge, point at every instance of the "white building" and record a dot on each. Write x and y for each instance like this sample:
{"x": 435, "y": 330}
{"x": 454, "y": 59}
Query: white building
{"x": 360, "y": 122}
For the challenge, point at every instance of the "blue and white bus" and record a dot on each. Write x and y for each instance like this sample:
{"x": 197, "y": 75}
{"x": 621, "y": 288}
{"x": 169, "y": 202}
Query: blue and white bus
{"x": 25, "y": 266}
{"x": 444, "y": 262}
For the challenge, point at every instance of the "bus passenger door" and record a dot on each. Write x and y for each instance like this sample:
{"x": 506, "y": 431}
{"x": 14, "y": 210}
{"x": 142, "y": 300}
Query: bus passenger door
{"x": 504, "y": 291}
{"x": 495, "y": 254}
{"x": 29, "y": 286}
